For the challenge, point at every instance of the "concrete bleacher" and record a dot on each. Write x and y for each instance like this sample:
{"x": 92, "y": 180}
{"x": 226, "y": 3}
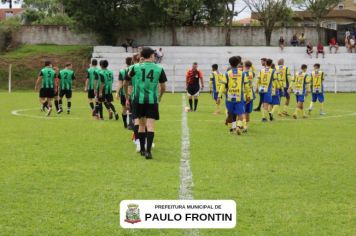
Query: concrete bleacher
{"x": 340, "y": 68}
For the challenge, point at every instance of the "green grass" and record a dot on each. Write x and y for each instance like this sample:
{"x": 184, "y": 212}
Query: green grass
{"x": 63, "y": 176}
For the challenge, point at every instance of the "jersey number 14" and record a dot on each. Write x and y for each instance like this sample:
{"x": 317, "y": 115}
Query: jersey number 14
{"x": 148, "y": 76}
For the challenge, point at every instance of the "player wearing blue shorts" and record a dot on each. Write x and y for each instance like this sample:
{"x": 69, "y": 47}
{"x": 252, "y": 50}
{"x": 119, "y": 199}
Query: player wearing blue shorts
{"x": 276, "y": 100}
{"x": 300, "y": 85}
{"x": 216, "y": 80}
{"x": 285, "y": 77}
{"x": 249, "y": 94}
{"x": 235, "y": 86}
{"x": 264, "y": 87}
{"x": 317, "y": 88}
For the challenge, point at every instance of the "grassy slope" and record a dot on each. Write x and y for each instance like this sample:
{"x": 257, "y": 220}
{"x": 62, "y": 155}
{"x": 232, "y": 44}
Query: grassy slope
{"x": 28, "y": 59}
{"x": 288, "y": 178}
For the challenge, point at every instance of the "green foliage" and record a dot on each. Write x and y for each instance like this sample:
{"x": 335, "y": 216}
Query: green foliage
{"x": 7, "y": 28}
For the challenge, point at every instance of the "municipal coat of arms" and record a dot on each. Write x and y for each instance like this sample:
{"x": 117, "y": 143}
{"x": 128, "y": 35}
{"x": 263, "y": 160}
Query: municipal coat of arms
{"x": 133, "y": 214}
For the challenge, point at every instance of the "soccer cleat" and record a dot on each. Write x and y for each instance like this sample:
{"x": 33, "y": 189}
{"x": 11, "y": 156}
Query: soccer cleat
{"x": 142, "y": 153}
{"x": 309, "y": 111}
{"x": 257, "y": 109}
{"x": 49, "y": 111}
{"x": 285, "y": 113}
{"x": 93, "y": 113}
{"x": 232, "y": 131}
{"x": 322, "y": 113}
{"x": 68, "y": 112}
{"x": 148, "y": 156}
{"x": 294, "y": 116}
{"x": 244, "y": 130}
{"x": 130, "y": 127}
{"x": 116, "y": 116}
{"x": 138, "y": 146}
{"x": 270, "y": 117}
{"x": 110, "y": 115}
{"x": 305, "y": 117}
{"x": 59, "y": 111}
{"x": 238, "y": 131}
{"x": 264, "y": 120}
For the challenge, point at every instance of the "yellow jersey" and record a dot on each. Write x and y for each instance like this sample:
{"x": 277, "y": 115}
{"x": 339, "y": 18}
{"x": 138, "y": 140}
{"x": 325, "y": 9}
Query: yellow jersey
{"x": 235, "y": 85}
{"x": 216, "y": 80}
{"x": 285, "y": 75}
{"x": 317, "y": 81}
{"x": 249, "y": 93}
{"x": 300, "y": 83}
{"x": 276, "y": 84}
{"x": 265, "y": 78}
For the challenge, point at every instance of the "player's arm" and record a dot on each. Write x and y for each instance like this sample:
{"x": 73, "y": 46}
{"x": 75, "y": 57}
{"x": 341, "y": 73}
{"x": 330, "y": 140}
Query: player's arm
{"x": 119, "y": 86}
{"x": 96, "y": 78}
{"x": 186, "y": 79}
{"x": 86, "y": 82}
{"x": 258, "y": 82}
{"x": 162, "y": 83}
{"x": 102, "y": 81}
{"x": 291, "y": 84}
{"x": 246, "y": 85}
{"x": 211, "y": 82}
{"x": 56, "y": 81}
{"x": 222, "y": 89}
{"x": 201, "y": 79}
{"x": 73, "y": 79}
{"x": 38, "y": 81}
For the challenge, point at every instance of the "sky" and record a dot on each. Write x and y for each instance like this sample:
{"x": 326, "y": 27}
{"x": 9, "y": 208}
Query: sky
{"x": 6, "y": 5}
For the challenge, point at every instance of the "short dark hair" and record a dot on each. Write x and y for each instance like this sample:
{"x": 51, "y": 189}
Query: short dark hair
{"x": 248, "y": 64}
{"x": 68, "y": 64}
{"x": 48, "y": 63}
{"x": 101, "y": 62}
{"x": 215, "y": 66}
{"x": 234, "y": 61}
{"x": 304, "y": 67}
{"x": 105, "y": 64}
{"x": 147, "y": 52}
{"x": 195, "y": 63}
{"x": 273, "y": 66}
{"x": 94, "y": 62}
{"x": 269, "y": 62}
{"x": 128, "y": 61}
{"x": 317, "y": 65}
{"x": 263, "y": 59}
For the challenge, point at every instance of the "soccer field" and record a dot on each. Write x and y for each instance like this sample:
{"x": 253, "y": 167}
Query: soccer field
{"x": 67, "y": 174}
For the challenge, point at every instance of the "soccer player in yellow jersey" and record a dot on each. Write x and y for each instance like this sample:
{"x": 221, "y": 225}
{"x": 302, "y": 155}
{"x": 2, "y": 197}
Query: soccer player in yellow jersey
{"x": 216, "y": 80}
{"x": 249, "y": 94}
{"x": 235, "y": 86}
{"x": 317, "y": 88}
{"x": 264, "y": 87}
{"x": 285, "y": 81}
{"x": 300, "y": 86}
{"x": 276, "y": 87}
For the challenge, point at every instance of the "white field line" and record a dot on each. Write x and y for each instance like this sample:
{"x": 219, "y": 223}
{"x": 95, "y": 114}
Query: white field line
{"x": 186, "y": 176}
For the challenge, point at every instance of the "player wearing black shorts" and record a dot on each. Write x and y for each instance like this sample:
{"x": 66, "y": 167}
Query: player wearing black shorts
{"x": 105, "y": 91}
{"x": 92, "y": 75}
{"x": 66, "y": 77}
{"x": 120, "y": 91}
{"x": 148, "y": 80}
{"x": 46, "y": 93}
{"x": 193, "y": 77}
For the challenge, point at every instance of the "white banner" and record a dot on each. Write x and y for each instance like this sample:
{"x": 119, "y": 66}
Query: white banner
{"x": 178, "y": 214}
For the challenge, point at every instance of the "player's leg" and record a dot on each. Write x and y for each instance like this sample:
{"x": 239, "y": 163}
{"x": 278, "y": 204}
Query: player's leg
{"x": 150, "y": 136}
{"x": 321, "y": 100}
{"x": 196, "y": 99}
{"x": 286, "y": 104}
{"x": 124, "y": 110}
{"x": 62, "y": 93}
{"x": 260, "y": 103}
{"x": 109, "y": 99}
{"x": 69, "y": 100}
{"x": 311, "y": 106}
{"x": 142, "y": 135}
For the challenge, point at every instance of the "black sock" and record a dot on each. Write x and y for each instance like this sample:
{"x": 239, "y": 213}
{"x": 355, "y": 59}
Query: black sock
{"x": 195, "y": 104}
{"x": 130, "y": 120}
{"x": 124, "y": 119}
{"x": 44, "y": 105}
{"x": 60, "y": 103}
{"x": 107, "y": 106}
{"x": 260, "y": 103}
{"x": 112, "y": 107}
{"x": 142, "y": 139}
{"x": 91, "y": 105}
{"x": 56, "y": 104}
{"x": 69, "y": 105}
{"x": 191, "y": 103}
{"x": 150, "y": 136}
{"x": 101, "y": 110}
{"x": 136, "y": 131}
{"x": 97, "y": 110}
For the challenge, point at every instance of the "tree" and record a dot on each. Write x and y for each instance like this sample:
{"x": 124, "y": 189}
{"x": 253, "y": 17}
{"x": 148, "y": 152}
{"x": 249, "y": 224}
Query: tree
{"x": 229, "y": 14}
{"x": 104, "y": 17}
{"x": 318, "y": 9}
{"x": 269, "y": 12}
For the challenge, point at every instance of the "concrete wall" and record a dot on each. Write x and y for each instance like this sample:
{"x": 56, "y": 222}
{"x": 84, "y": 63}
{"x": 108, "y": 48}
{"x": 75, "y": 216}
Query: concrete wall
{"x": 215, "y": 36}
{"x": 45, "y": 34}
{"x": 187, "y": 36}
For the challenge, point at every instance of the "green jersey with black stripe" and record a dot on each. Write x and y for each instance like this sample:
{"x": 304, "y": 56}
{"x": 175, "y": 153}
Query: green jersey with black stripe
{"x": 92, "y": 75}
{"x": 145, "y": 78}
{"x": 122, "y": 75}
{"x": 132, "y": 96}
{"x": 48, "y": 75}
{"x": 66, "y": 77}
{"x": 107, "y": 77}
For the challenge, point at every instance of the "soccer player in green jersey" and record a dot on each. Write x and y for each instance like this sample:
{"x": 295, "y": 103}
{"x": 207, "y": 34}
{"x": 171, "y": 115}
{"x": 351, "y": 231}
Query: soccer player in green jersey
{"x": 66, "y": 77}
{"x": 120, "y": 92}
{"x": 149, "y": 86}
{"x": 46, "y": 78}
{"x": 106, "y": 78}
{"x": 92, "y": 75}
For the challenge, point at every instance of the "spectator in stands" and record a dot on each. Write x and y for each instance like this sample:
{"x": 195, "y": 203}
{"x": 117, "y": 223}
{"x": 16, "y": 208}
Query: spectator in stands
{"x": 310, "y": 49}
{"x": 347, "y": 44}
{"x": 281, "y": 43}
{"x": 320, "y": 50}
{"x": 130, "y": 43}
{"x": 294, "y": 41}
{"x": 159, "y": 55}
{"x": 352, "y": 44}
{"x": 347, "y": 33}
{"x": 333, "y": 44}
{"x": 302, "y": 40}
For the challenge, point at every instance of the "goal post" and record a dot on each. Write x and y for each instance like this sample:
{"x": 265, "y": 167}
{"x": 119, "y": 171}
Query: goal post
{"x": 10, "y": 77}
